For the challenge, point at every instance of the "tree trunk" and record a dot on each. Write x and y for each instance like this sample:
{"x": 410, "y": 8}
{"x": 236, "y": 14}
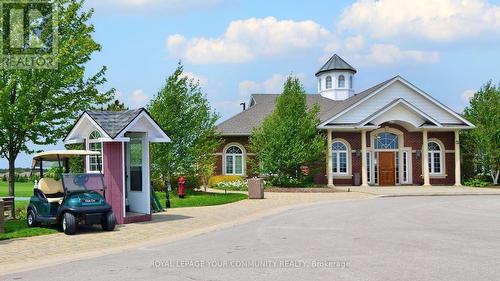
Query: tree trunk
{"x": 12, "y": 180}
{"x": 494, "y": 176}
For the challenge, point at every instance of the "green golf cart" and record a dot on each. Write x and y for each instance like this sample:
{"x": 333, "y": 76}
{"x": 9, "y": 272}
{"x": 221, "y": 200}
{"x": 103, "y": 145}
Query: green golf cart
{"x": 68, "y": 199}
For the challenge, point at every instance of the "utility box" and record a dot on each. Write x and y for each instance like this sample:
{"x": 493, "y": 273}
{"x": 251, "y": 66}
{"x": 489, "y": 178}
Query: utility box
{"x": 255, "y": 188}
{"x": 357, "y": 179}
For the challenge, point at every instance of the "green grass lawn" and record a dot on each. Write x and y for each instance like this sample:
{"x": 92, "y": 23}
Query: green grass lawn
{"x": 23, "y": 189}
{"x": 17, "y": 228}
{"x": 200, "y": 198}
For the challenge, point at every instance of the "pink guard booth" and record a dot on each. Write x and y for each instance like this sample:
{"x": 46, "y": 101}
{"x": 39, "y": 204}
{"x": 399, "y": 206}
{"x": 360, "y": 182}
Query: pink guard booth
{"x": 123, "y": 138}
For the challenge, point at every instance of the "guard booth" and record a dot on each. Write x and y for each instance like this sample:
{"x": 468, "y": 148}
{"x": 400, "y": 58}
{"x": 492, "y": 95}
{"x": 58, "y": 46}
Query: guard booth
{"x": 123, "y": 138}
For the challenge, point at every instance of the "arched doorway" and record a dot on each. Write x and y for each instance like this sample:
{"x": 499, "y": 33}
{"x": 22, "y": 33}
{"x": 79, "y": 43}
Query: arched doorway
{"x": 388, "y": 160}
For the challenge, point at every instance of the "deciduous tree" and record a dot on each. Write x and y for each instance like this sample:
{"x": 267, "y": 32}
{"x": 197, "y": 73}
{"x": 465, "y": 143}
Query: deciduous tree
{"x": 38, "y": 105}
{"x": 183, "y": 111}
{"x": 288, "y": 138}
{"x": 484, "y": 141}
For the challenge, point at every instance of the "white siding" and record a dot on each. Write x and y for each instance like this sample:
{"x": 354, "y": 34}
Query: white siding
{"x": 400, "y": 112}
{"x": 395, "y": 91}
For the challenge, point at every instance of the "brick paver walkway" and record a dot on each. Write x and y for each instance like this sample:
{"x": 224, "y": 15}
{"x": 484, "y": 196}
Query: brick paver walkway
{"x": 35, "y": 252}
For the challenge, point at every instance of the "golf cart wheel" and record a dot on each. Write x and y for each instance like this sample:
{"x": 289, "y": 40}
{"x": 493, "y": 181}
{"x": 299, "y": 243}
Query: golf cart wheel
{"x": 31, "y": 219}
{"x": 69, "y": 223}
{"x": 108, "y": 222}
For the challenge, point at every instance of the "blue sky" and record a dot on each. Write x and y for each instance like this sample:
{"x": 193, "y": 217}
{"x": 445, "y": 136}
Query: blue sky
{"x": 448, "y": 48}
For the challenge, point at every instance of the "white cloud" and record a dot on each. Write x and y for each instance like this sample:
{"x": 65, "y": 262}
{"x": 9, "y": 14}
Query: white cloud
{"x": 245, "y": 40}
{"x": 360, "y": 53}
{"x": 196, "y": 78}
{"x": 467, "y": 95}
{"x": 272, "y": 85}
{"x": 439, "y": 20}
{"x": 138, "y": 98}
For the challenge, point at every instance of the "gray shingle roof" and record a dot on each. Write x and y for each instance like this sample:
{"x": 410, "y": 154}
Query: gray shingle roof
{"x": 263, "y": 104}
{"x": 335, "y": 63}
{"x": 113, "y": 122}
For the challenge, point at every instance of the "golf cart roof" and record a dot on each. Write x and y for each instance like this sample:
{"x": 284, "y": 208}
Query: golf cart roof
{"x": 55, "y": 155}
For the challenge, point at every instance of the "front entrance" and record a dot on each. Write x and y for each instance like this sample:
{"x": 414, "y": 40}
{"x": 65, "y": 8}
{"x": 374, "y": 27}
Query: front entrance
{"x": 387, "y": 169}
{"x": 136, "y": 174}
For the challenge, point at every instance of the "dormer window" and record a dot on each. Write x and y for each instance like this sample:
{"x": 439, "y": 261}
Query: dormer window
{"x": 350, "y": 82}
{"x": 341, "y": 81}
{"x": 328, "y": 82}
{"x": 319, "y": 84}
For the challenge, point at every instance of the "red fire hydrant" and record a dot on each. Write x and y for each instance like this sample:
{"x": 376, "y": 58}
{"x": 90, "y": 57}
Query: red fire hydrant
{"x": 181, "y": 191}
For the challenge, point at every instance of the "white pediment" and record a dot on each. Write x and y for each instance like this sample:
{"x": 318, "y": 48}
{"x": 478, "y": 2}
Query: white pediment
{"x": 418, "y": 107}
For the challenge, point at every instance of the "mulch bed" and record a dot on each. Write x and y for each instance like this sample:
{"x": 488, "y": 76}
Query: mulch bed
{"x": 301, "y": 189}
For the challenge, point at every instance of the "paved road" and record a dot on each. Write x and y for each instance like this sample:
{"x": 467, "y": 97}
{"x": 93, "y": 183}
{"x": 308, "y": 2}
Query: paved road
{"x": 409, "y": 238}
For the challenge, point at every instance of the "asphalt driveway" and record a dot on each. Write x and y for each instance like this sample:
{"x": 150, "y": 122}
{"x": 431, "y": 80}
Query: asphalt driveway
{"x": 407, "y": 238}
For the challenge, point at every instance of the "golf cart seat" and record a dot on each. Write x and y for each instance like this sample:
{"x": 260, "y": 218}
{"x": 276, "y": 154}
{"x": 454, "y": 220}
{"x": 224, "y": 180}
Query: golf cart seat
{"x": 52, "y": 189}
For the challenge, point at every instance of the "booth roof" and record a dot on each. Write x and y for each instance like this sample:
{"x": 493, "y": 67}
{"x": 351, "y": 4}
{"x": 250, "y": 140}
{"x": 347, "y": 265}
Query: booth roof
{"x": 113, "y": 122}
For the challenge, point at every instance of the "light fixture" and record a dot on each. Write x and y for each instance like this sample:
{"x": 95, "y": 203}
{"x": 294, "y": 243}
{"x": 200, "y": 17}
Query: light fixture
{"x": 358, "y": 152}
{"x": 418, "y": 152}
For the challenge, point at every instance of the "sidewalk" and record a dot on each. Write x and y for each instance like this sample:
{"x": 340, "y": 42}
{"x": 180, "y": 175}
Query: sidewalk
{"x": 396, "y": 191}
{"x": 40, "y": 251}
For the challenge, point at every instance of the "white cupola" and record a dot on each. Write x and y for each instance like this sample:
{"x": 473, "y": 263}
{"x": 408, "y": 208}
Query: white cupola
{"x": 336, "y": 79}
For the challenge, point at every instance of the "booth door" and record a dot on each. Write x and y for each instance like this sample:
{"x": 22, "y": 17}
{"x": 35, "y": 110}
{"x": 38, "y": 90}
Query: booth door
{"x": 137, "y": 174}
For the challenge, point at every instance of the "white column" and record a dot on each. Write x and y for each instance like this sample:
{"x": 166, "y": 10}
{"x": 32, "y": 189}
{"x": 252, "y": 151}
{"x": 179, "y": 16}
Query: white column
{"x": 425, "y": 158}
{"x": 458, "y": 176}
{"x": 364, "y": 171}
{"x": 329, "y": 160}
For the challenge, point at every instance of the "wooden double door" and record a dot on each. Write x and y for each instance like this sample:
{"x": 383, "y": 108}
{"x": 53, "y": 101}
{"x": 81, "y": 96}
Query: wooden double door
{"x": 387, "y": 168}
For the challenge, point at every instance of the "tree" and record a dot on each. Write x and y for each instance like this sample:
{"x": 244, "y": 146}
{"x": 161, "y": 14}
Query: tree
{"x": 116, "y": 106}
{"x": 288, "y": 138}
{"x": 183, "y": 112}
{"x": 484, "y": 141}
{"x": 38, "y": 105}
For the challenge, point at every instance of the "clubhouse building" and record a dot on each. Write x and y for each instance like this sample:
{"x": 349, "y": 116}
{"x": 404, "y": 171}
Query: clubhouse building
{"x": 390, "y": 134}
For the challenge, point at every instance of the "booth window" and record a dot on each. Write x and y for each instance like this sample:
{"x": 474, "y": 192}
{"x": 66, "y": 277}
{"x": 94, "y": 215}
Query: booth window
{"x": 95, "y": 161}
{"x": 234, "y": 161}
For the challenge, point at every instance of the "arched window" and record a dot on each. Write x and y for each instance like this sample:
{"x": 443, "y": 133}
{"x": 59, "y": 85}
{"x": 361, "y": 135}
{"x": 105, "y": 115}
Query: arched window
{"x": 341, "y": 81}
{"x": 328, "y": 82}
{"x": 95, "y": 161}
{"x": 386, "y": 141}
{"x": 434, "y": 151}
{"x": 350, "y": 82}
{"x": 234, "y": 161}
{"x": 339, "y": 157}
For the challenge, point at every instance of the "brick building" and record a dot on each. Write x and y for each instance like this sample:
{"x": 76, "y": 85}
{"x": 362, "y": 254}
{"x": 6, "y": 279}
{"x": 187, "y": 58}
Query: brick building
{"x": 384, "y": 135}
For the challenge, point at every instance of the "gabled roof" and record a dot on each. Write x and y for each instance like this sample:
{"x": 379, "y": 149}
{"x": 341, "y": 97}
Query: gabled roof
{"x": 365, "y": 95}
{"x": 335, "y": 63}
{"x": 261, "y": 105}
{"x": 113, "y": 122}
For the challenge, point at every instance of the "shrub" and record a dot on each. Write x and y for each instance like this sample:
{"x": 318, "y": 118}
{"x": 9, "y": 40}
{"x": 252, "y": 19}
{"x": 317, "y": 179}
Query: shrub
{"x": 233, "y": 185}
{"x": 192, "y": 182}
{"x": 476, "y": 182}
{"x": 288, "y": 181}
{"x": 55, "y": 173}
{"x": 213, "y": 181}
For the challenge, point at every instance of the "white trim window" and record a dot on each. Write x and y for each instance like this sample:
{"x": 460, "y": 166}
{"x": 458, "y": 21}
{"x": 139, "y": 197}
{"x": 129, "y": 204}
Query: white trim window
{"x": 339, "y": 158}
{"x": 386, "y": 140}
{"x": 341, "y": 81}
{"x": 328, "y": 82}
{"x": 95, "y": 161}
{"x": 234, "y": 161}
{"x": 435, "y": 157}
